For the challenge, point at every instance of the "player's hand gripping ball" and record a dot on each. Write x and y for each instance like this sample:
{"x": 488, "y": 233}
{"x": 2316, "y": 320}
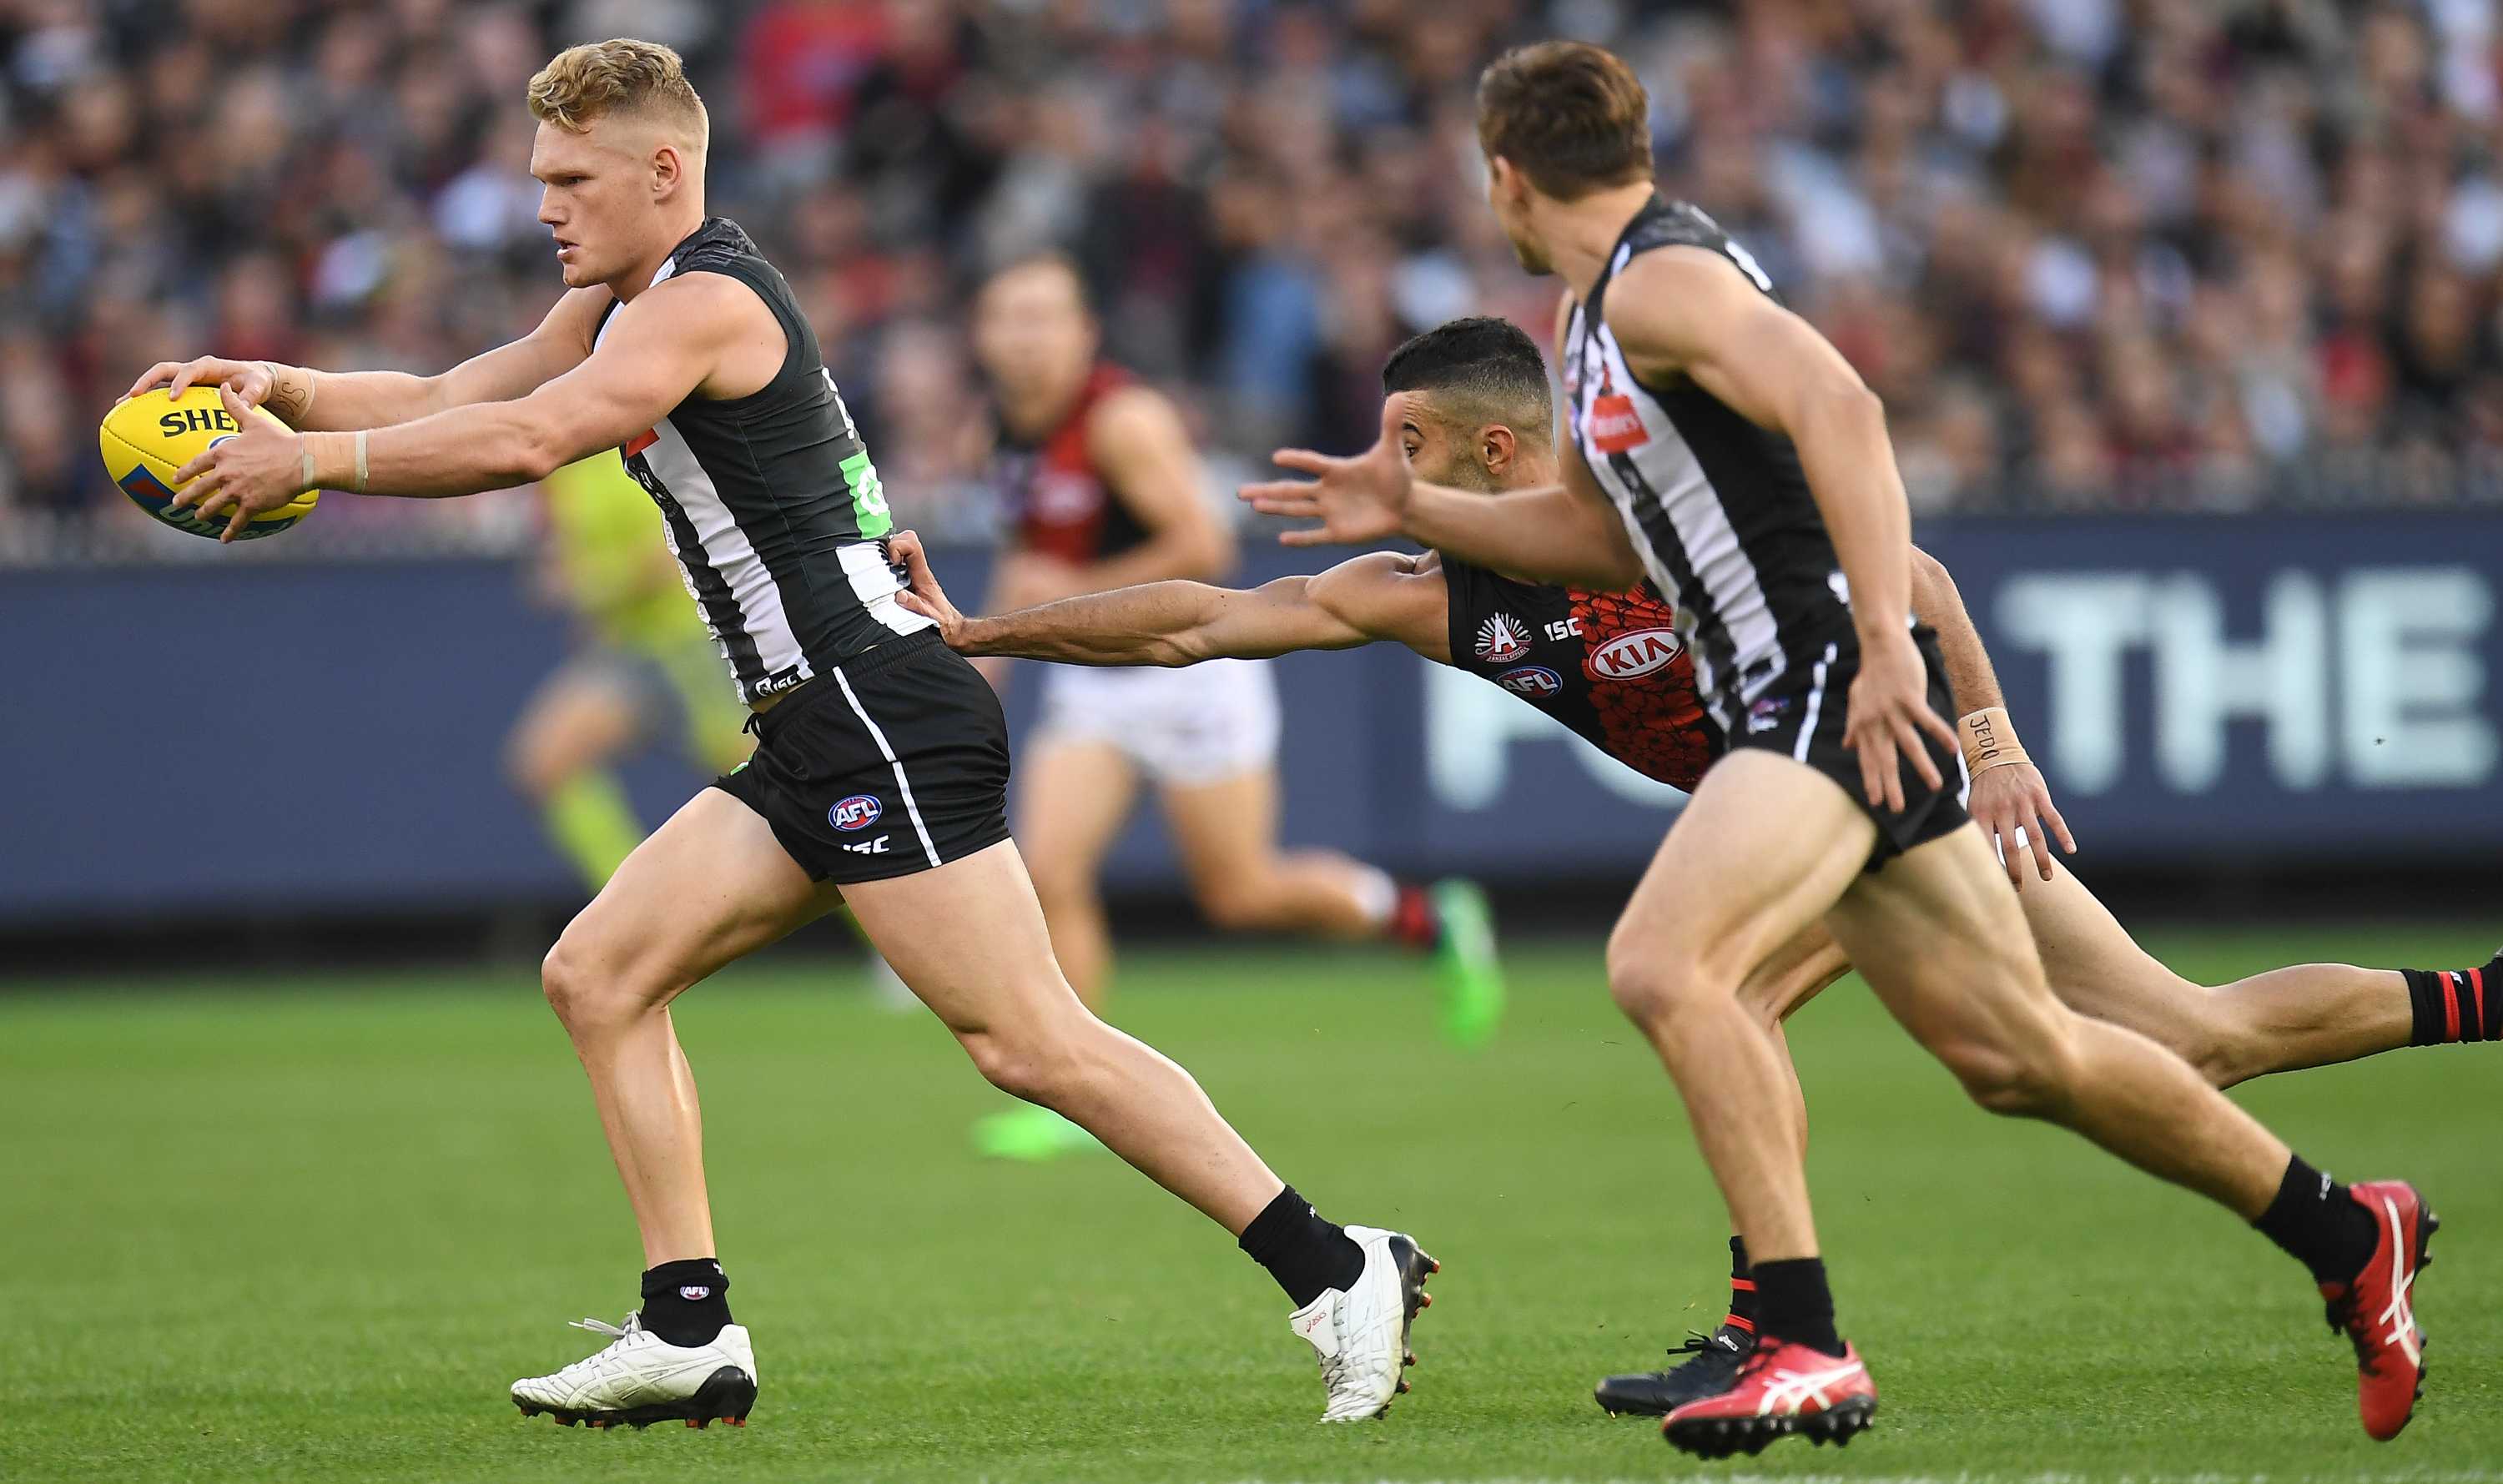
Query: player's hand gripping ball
{"x": 146, "y": 439}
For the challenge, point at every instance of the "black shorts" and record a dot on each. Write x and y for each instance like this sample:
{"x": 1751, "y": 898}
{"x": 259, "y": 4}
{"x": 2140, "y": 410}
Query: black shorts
{"x": 1801, "y": 716}
{"x": 891, "y": 764}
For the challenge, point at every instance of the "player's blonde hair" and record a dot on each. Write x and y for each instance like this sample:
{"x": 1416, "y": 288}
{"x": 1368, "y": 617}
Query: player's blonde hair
{"x": 584, "y": 83}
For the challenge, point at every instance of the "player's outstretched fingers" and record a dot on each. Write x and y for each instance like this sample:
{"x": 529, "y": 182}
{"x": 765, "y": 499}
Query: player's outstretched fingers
{"x": 1280, "y": 497}
{"x": 1305, "y": 460}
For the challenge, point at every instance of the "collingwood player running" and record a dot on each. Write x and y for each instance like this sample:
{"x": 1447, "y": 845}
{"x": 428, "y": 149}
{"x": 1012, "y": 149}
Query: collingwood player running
{"x": 1725, "y": 450}
{"x": 882, "y": 760}
{"x": 1476, "y": 417}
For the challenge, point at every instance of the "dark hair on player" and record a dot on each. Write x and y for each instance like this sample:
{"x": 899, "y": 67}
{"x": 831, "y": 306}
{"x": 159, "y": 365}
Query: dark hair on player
{"x": 1044, "y": 258}
{"x": 1570, "y": 116}
{"x": 1482, "y": 366}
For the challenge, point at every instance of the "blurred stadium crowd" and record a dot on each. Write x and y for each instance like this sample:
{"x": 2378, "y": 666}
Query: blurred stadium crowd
{"x": 2095, "y": 253}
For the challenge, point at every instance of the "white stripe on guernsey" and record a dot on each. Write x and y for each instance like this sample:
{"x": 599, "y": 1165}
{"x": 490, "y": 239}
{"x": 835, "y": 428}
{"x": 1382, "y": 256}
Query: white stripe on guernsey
{"x": 902, "y": 784}
{"x": 1815, "y": 704}
{"x": 727, "y": 550}
{"x": 875, "y": 584}
{"x": 1697, "y": 513}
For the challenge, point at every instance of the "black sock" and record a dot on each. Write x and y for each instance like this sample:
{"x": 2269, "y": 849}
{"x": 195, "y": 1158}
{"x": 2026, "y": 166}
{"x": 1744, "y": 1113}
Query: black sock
{"x": 1304, "y": 1253}
{"x": 1743, "y": 1311}
{"x": 2459, "y": 1004}
{"x": 686, "y": 1302}
{"x": 1794, "y": 1304}
{"x": 2319, "y": 1225}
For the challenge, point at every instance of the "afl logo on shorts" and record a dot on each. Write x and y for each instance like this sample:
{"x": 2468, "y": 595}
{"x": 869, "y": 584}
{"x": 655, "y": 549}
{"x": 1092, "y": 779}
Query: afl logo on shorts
{"x": 858, "y": 811}
{"x": 1535, "y": 681}
{"x": 1630, "y": 656}
{"x": 1501, "y": 639}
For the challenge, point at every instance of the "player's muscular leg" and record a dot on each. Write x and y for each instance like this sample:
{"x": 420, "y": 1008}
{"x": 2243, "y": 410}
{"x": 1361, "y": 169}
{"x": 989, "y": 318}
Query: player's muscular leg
{"x": 1226, "y": 832}
{"x": 1943, "y": 943}
{"x": 1698, "y": 927}
{"x": 1002, "y": 995}
{"x": 2309, "y": 1015}
{"x": 708, "y": 885}
{"x": 1074, "y": 797}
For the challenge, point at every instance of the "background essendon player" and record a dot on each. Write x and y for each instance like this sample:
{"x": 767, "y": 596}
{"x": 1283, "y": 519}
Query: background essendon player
{"x": 1105, "y": 490}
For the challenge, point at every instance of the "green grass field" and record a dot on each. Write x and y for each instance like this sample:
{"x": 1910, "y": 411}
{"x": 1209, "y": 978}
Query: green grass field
{"x": 309, "y": 1229}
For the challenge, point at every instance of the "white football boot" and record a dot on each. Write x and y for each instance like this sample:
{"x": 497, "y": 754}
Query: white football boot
{"x": 1361, "y": 1334}
{"x": 641, "y": 1378}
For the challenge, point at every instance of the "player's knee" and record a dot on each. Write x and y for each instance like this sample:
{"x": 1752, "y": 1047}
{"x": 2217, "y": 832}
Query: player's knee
{"x": 2206, "y": 1038}
{"x": 1040, "y": 1063}
{"x": 588, "y": 988}
{"x": 1650, "y": 984}
{"x": 534, "y": 770}
{"x": 2029, "y": 1074}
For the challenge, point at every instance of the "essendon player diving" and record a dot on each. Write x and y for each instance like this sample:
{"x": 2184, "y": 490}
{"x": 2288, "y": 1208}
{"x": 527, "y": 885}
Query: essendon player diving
{"x": 1724, "y": 449}
{"x": 1104, "y": 489}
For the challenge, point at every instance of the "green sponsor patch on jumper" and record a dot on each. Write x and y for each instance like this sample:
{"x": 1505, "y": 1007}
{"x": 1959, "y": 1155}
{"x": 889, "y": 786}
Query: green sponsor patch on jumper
{"x": 869, "y": 497}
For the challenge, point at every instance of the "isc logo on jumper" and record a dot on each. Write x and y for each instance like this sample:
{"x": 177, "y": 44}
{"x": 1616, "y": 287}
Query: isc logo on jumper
{"x": 858, "y": 811}
{"x": 1501, "y": 639}
{"x": 1535, "y": 681}
{"x": 1631, "y": 655}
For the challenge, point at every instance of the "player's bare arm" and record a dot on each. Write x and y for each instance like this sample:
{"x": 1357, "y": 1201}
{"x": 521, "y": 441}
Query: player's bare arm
{"x": 1377, "y": 596}
{"x": 310, "y": 400}
{"x": 1562, "y": 533}
{"x": 699, "y": 335}
{"x": 1684, "y": 312}
{"x": 2009, "y": 793}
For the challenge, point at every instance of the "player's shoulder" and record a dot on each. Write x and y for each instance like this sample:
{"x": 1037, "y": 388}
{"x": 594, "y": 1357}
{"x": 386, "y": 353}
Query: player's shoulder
{"x": 1673, "y": 224}
{"x": 696, "y": 306}
{"x": 717, "y": 244}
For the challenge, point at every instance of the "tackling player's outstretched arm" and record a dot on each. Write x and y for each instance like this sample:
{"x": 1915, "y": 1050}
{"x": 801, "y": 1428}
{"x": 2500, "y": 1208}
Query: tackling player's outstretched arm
{"x": 310, "y": 400}
{"x": 1382, "y": 595}
{"x": 1689, "y": 311}
{"x": 660, "y": 349}
{"x": 2009, "y": 793}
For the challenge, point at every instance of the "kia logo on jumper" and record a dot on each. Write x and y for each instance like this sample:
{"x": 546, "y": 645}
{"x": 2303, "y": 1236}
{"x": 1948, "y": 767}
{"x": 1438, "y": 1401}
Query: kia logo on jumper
{"x": 858, "y": 811}
{"x": 1630, "y": 656}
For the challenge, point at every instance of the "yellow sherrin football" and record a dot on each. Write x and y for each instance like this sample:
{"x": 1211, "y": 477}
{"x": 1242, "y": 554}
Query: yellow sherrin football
{"x": 145, "y": 438}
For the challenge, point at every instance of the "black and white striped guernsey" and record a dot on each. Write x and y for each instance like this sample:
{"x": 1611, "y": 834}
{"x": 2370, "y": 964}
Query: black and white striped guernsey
{"x": 1717, "y": 507}
{"x": 770, "y": 501}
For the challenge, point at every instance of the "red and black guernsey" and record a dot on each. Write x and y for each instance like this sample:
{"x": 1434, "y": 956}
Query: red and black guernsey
{"x": 1609, "y": 666}
{"x": 770, "y": 501}
{"x": 1057, "y": 497}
